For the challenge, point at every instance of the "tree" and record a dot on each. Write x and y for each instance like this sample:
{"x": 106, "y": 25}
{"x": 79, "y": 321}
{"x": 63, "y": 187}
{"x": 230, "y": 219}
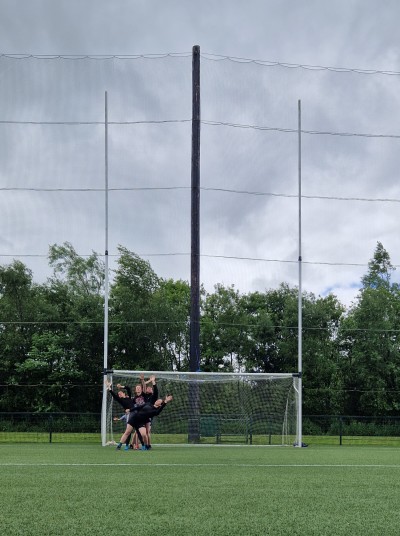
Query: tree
{"x": 50, "y": 366}
{"x": 52, "y": 341}
{"x": 22, "y": 309}
{"x": 51, "y": 335}
{"x": 259, "y": 349}
{"x": 222, "y": 333}
{"x": 322, "y": 381}
{"x": 133, "y": 326}
{"x": 258, "y": 332}
{"x": 76, "y": 293}
{"x": 83, "y": 276}
{"x": 380, "y": 270}
{"x": 171, "y": 308}
{"x": 271, "y": 334}
{"x": 370, "y": 344}
{"x": 272, "y": 344}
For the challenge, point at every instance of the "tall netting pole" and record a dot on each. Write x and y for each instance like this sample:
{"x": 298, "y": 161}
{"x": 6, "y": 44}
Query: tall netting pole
{"x": 300, "y": 309}
{"x": 105, "y": 348}
{"x": 194, "y": 364}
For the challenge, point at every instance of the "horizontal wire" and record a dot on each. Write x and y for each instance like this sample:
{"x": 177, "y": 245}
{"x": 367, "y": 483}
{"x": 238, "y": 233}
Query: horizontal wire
{"x": 303, "y": 196}
{"x": 296, "y": 131}
{"x": 121, "y": 189}
{"x": 25, "y": 56}
{"x": 204, "y": 188}
{"x": 203, "y": 255}
{"x": 269, "y": 63}
{"x": 77, "y": 123}
{"x": 206, "y": 55}
{"x": 206, "y": 122}
{"x": 285, "y": 261}
{"x": 64, "y": 385}
{"x": 100, "y": 385}
{"x": 84, "y": 255}
{"x": 203, "y": 322}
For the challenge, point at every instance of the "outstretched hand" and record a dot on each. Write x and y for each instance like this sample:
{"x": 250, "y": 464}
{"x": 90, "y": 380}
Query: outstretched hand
{"x": 168, "y": 399}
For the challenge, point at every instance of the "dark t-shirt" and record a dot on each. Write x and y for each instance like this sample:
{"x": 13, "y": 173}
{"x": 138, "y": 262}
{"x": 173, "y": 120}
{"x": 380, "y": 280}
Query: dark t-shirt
{"x": 139, "y": 400}
{"x": 126, "y": 403}
{"x": 143, "y": 414}
{"x": 152, "y": 397}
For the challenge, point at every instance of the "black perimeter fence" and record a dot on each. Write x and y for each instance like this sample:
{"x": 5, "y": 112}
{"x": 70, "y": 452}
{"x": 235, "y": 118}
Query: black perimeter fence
{"x": 45, "y": 427}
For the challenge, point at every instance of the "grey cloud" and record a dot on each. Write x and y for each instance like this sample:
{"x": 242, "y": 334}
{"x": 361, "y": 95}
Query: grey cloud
{"x": 349, "y": 34}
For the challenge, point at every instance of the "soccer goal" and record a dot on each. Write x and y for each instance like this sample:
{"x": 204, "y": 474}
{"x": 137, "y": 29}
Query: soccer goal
{"x": 212, "y": 408}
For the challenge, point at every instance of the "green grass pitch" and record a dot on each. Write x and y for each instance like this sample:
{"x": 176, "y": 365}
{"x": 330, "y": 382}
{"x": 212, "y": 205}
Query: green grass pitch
{"x": 58, "y": 489}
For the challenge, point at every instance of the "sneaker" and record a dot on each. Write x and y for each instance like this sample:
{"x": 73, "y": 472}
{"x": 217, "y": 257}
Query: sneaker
{"x": 135, "y": 447}
{"x": 143, "y": 447}
{"x": 119, "y": 447}
{"x": 126, "y": 447}
{"x": 131, "y": 447}
{"x": 148, "y": 447}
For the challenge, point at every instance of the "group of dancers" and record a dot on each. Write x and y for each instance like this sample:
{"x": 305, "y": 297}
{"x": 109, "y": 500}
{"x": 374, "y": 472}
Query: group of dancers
{"x": 139, "y": 408}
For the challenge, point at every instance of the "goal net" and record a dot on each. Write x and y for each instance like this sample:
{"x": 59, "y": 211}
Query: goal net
{"x": 211, "y": 408}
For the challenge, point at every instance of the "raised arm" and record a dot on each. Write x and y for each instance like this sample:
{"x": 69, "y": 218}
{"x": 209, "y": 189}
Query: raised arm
{"x": 126, "y": 388}
{"x": 124, "y": 402}
{"x": 152, "y": 380}
{"x": 109, "y": 389}
{"x": 166, "y": 400}
{"x": 142, "y": 382}
{"x": 155, "y": 393}
{"x": 154, "y": 396}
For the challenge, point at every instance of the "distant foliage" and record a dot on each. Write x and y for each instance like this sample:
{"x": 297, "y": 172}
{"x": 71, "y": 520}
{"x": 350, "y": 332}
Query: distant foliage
{"x": 51, "y": 335}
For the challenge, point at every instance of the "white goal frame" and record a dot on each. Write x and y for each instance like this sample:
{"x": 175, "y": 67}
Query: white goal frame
{"x": 293, "y": 396}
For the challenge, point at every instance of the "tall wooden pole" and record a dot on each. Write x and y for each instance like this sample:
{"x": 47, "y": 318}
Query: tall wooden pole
{"x": 194, "y": 363}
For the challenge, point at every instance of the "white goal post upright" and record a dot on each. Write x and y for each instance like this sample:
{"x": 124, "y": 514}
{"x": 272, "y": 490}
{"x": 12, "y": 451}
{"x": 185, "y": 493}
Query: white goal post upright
{"x": 249, "y": 408}
{"x": 299, "y": 442}
{"x": 106, "y": 275}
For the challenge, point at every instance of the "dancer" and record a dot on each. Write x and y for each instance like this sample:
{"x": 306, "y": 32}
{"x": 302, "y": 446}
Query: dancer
{"x": 124, "y": 417}
{"x": 151, "y": 395}
{"x": 127, "y": 403}
{"x": 137, "y": 420}
{"x": 125, "y": 399}
{"x": 143, "y": 394}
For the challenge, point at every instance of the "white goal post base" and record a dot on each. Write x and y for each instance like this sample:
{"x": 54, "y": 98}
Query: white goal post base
{"x": 214, "y": 408}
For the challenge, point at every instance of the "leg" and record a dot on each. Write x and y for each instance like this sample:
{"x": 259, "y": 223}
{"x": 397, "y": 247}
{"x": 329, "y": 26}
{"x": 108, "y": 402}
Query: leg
{"x": 142, "y": 433}
{"x": 139, "y": 430}
{"x": 148, "y": 432}
{"x": 135, "y": 441}
{"x": 126, "y": 434}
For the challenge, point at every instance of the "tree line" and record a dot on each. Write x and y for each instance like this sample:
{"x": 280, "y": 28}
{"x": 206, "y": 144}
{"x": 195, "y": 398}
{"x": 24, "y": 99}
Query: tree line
{"x": 51, "y": 334}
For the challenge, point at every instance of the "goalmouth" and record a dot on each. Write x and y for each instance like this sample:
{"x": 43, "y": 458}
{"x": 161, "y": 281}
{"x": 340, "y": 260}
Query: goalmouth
{"x": 214, "y": 408}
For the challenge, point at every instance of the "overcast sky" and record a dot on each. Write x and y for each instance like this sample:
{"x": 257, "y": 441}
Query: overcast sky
{"x": 249, "y": 205}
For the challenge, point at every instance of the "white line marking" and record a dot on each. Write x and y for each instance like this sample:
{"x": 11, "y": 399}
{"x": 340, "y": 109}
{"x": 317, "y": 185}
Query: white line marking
{"x": 133, "y": 464}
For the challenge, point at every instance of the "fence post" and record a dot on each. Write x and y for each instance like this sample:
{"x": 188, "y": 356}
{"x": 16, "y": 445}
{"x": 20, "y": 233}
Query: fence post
{"x": 50, "y": 428}
{"x": 340, "y": 430}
